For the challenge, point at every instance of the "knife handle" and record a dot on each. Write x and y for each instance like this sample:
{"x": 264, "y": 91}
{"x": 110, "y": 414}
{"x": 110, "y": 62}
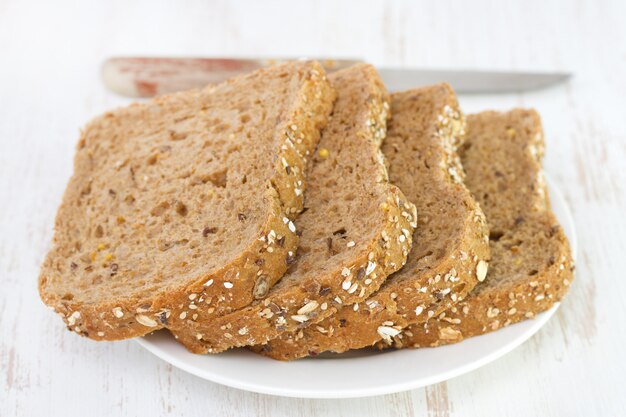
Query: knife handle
{"x": 148, "y": 76}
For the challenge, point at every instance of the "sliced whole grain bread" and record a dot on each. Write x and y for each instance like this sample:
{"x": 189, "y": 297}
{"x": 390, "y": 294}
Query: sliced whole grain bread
{"x": 356, "y": 229}
{"x": 450, "y": 252}
{"x": 185, "y": 198}
{"x": 531, "y": 267}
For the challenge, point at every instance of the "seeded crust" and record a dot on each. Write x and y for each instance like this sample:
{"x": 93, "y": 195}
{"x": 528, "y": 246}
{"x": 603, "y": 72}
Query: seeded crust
{"x": 532, "y": 265}
{"x": 450, "y": 253}
{"x": 170, "y": 200}
{"x": 356, "y": 230}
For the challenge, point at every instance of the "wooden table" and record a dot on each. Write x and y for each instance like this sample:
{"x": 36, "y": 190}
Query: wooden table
{"x": 49, "y": 86}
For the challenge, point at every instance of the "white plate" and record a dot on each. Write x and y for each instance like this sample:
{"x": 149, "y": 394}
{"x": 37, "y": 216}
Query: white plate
{"x": 359, "y": 373}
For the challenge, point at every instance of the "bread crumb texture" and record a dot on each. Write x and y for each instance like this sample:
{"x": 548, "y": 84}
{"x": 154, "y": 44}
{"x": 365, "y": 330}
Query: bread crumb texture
{"x": 450, "y": 237}
{"x": 182, "y": 208}
{"x": 357, "y": 228}
{"x": 531, "y": 264}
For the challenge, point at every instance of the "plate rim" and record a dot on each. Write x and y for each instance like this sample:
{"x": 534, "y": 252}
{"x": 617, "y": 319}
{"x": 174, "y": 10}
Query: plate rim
{"x": 565, "y": 217}
{"x": 538, "y": 322}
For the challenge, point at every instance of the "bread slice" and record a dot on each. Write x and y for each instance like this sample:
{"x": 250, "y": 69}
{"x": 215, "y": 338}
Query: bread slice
{"x": 356, "y": 229}
{"x": 184, "y": 199}
{"x": 531, "y": 265}
{"x": 450, "y": 253}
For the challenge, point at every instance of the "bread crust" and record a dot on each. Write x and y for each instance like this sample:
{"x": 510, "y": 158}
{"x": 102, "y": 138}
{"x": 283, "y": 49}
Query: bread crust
{"x": 421, "y": 289}
{"x": 245, "y": 277}
{"x": 320, "y": 291}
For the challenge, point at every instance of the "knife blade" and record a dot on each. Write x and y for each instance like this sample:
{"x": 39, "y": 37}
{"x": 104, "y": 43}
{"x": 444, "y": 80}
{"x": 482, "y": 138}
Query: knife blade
{"x": 150, "y": 76}
{"x": 471, "y": 81}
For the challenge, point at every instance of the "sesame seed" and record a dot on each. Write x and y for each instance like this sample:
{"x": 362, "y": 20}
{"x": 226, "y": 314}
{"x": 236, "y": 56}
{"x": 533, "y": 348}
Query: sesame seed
{"x": 228, "y": 284}
{"x": 345, "y": 272}
{"x": 350, "y": 244}
{"x": 266, "y": 313}
{"x": 117, "y": 312}
{"x": 386, "y": 331}
{"x": 300, "y": 318}
{"x": 208, "y": 283}
{"x": 71, "y": 320}
{"x": 145, "y": 320}
{"x": 183, "y": 315}
{"x": 419, "y": 310}
{"x": 481, "y": 270}
{"x": 308, "y": 307}
{"x": 292, "y": 227}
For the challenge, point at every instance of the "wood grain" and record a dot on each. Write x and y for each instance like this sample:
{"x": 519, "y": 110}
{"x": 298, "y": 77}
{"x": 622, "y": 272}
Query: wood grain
{"x": 49, "y": 87}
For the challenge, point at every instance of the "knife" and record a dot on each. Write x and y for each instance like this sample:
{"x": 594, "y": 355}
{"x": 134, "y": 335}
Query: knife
{"x": 150, "y": 76}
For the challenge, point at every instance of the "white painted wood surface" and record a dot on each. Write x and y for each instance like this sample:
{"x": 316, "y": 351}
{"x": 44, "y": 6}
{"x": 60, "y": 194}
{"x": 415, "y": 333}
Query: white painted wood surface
{"x": 50, "y": 52}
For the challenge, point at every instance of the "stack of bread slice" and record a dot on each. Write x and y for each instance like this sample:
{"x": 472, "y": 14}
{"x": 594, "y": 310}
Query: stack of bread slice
{"x": 296, "y": 213}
